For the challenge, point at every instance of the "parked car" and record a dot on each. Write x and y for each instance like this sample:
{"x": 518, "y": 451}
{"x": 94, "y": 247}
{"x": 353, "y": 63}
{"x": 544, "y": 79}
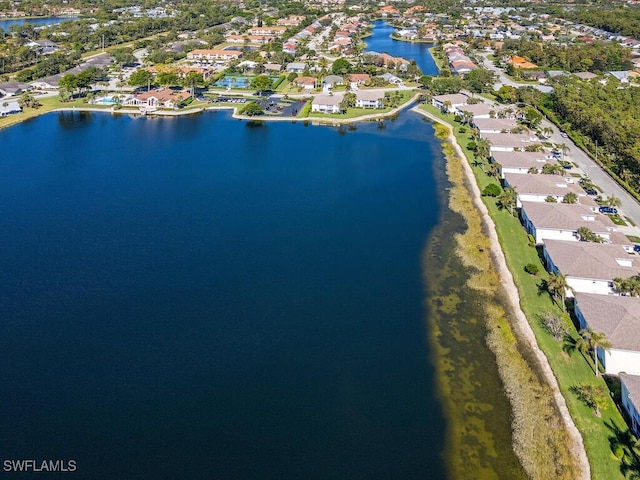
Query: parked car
{"x": 563, "y": 135}
{"x": 636, "y": 248}
{"x": 591, "y": 191}
{"x": 608, "y": 210}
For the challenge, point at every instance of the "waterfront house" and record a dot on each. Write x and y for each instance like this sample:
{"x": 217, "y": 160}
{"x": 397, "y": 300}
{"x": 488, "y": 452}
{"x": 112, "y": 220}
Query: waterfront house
{"x": 589, "y": 267}
{"x": 618, "y": 318}
{"x": 510, "y": 142}
{"x": 630, "y": 393}
{"x": 369, "y": 99}
{"x": 536, "y": 188}
{"x": 9, "y": 106}
{"x": 520, "y": 162}
{"x": 327, "y": 103}
{"x": 478, "y": 110}
{"x": 449, "y": 101}
{"x": 561, "y": 221}
{"x": 161, "y": 98}
{"x": 494, "y": 125}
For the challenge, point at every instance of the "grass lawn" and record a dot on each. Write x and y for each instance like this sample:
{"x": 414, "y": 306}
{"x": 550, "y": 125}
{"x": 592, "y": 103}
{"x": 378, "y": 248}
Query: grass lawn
{"x": 406, "y": 95}
{"x": 48, "y": 104}
{"x": 570, "y": 369}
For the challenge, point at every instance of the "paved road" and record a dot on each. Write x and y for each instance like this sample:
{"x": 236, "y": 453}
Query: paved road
{"x": 503, "y": 79}
{"x": 630, "y": 207}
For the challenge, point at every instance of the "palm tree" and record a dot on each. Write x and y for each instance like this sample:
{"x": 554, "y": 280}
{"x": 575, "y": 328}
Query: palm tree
{"x": 612, "y": 201}
{"x": 564, "y": 149}
{"x": 557, "y": 285}
{"x": 591, "y": 341}
{"x": 483, "y": 148}
{"x": 507, "y": 199}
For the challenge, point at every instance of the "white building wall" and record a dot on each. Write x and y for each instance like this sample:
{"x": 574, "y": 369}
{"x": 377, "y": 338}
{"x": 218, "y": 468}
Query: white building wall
{"x": 616, "y": 361}
{"x": 548, "y": 234}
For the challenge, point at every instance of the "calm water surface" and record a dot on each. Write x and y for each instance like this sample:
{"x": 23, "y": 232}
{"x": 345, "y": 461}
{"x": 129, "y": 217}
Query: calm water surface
{"x": 381, "y": 42}
{"x": 206, "y": 298}
{"x": 39, "y": 22}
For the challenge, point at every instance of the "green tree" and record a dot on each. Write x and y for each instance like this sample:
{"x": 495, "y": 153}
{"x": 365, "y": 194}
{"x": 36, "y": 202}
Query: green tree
{"x": 507, "y": 199}
{"x": 492, "y": 190}
{"x": 349, "y": 100}
{"x": 167, "y": 79}
{"x": 586, "y": 235}
{"x": 261, "y": 82}
{"x": 570, "y": 198}
{"x": 252, "y": 109}
{"x": 141, "y": 78}
{"x": 590, "y": 341}
{"x": 557, "y": 286}
{"x": 341, "y": 67}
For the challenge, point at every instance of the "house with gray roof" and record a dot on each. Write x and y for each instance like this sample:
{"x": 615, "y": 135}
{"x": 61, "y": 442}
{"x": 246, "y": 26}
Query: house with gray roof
{"x": 521, "y": 162}
{"x": 9, "y": 106}
{"x": 618, "y": 318}
{"x": 510, "y": 142}
{"x": 589, "y": 267}
{"x": 630, "y": 392}
{"x": 296, "y": 67}
{"x": 10, "y": 89}
{"x": 536, "y": 188}
{"x": 561, "y": 221}
{"x": 452, "y": 100}
{"x": 494, "y": 125}
{"x": 327, "y": 103}
{"x": 369, "y": 99}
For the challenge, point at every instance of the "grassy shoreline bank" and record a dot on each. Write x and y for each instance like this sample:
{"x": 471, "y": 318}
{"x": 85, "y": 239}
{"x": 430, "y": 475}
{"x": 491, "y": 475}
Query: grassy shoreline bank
{"x": 599, "y": 433}
{"x": 537, "y": 443}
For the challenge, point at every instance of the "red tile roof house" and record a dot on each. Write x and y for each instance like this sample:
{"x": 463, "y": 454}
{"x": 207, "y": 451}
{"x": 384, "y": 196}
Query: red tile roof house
{"x": 631, "y": 399}
{"x": 357, "y": 79}
{"x": 165, "y": 98}
{"x": 619, "y": 319}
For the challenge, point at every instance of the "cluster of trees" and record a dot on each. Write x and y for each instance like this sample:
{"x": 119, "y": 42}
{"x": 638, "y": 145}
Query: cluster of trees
{"x": 72, "y": 83}
{"x": 578, "y": 57}
{"x": 605, "y": 115}
{"x": 620, "y": 19}
{"x": 628, "y": 286}
{"x": 477, "y": 81}
{"x": 49, "y": 65}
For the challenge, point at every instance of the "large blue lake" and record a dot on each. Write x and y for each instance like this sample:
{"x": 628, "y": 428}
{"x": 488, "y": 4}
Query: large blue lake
{"x": 203, "y": 298}
{"x": 37, "y": 21}
{"x": 381, "y": 42}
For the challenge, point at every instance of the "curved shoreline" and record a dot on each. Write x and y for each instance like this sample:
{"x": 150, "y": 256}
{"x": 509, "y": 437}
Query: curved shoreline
{"x": 236, "y": 115}
{"x": 521, "y": 324}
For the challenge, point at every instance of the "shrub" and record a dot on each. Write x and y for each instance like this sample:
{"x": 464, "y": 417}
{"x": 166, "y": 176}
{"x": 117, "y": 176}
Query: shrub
{"x": 491, "y": 190}
{"x": 531, "y": 268}
{"x": 553, "y": 325}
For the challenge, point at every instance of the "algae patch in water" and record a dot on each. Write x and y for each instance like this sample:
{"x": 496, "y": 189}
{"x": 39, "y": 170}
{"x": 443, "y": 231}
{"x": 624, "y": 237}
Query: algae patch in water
{"x": 502, "y": 418}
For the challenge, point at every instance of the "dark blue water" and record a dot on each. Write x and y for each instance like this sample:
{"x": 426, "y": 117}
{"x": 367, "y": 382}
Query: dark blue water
{"x": 381, "y": 42}
{"x": 39, "y": 21}
{"x": 203, "y": 298}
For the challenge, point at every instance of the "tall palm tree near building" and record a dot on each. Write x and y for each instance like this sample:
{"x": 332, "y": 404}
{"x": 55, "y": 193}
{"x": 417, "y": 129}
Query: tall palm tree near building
{"x": 507, "y": 199}
{"x": 483, "y": 148}
{"x": 557, "y": 286}
{"x": 612, "y": 201}
{"x": 590, "y": 341}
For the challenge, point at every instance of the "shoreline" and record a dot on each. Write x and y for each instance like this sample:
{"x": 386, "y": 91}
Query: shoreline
{"x": 236, "y": 115}
{"x": 521, "y": 324}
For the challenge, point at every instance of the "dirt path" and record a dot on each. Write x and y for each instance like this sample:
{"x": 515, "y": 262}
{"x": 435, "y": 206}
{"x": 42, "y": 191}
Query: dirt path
{"x": 521, "y": 322}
